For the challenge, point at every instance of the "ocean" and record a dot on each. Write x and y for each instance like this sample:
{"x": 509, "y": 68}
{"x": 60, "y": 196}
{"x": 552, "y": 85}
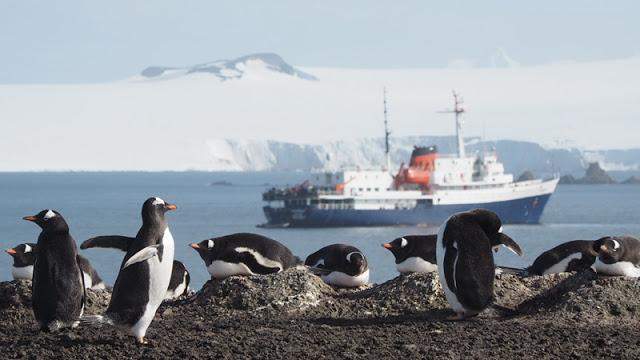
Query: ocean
{"x": 109, "y": 203}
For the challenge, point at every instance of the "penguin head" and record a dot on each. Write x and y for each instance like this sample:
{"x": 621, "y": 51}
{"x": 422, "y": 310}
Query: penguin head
{"x": 356, "y": 262}
{"x": 492, "y": 226}
{"x": 399, "y": 247}
{"x": 23, "y": 254}
{"x": 49, "y": 220}
{"x": 204, "y": 248}
{"x": 154, "y": 209}
{"x": 609, "y": 249}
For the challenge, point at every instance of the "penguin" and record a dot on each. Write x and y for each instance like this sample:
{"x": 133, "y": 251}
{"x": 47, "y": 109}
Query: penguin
{"x": 414, "y": 253}
{"x": 92, "y": 280}
{"x": 145, "y": 271}
{"x": 179, "y": 284}
{"x": 618, "y": 255}
{"x": 58, "y": 295}
{"x": 340, "y": 265}
{"x": 24, "y": 256}
{"x": 464, "y": 254}
{"x": 570, "y": 256}
{"x": 23, "y": 259}
{"x": 243, "y": 254}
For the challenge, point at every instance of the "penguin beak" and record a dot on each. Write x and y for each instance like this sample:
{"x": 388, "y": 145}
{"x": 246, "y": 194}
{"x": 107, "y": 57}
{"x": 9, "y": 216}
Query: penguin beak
{"x": 195, "y": 246}
{"x": 170, "y": 207}
{"x": 10, "y": 251}
{"x": 387, "y": 246}
{"x": 30, "y": 218}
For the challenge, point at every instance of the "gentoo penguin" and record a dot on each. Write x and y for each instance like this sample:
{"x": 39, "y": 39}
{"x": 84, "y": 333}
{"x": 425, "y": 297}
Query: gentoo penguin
{"x": 92, "y": 280}
{"x": 243, "y": 254}
{"x": 465, "y": 259}
{"x": 144, "y": 274}
{"x": 179, "y": 284}
{"x": 618, "y": 255}
{"x": 23, "y": 259}
{"x": 414, "y": 253}
{"x": 570, "y": 256}
{"x": 339, "y": 265}
{"x": 24, "y": 256}
{"x": 58, "y": 291}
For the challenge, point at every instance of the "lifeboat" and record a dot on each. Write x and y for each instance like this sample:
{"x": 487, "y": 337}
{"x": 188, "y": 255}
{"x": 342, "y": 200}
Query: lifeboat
{"x": 421, "y": 165}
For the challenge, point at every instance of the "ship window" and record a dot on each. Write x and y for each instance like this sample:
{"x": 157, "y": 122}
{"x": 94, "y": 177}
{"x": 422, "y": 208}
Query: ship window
{"x": 359, "y": 189}
{"x": 368, "y": 189}
{"x": 377, "y": 189}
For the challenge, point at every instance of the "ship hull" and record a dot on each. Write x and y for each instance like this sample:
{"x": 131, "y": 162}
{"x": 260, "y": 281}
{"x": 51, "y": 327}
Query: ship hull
{"x": 526, "y": 210}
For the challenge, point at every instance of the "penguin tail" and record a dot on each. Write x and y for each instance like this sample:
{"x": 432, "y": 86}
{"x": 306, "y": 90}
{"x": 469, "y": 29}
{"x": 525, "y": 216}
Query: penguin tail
{"x": 96, "y": 320}
{"x": 297, "y": 261}
{"x": 511, "y": 270}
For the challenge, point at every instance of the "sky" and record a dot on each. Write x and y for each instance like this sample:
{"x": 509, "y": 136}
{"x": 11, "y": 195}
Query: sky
{"x": 96, "y": 41}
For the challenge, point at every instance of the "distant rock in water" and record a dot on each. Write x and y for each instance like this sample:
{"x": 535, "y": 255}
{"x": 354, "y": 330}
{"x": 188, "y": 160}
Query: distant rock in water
{"x": 594, "y": 175}
{"x": 633, "y": 180}
{"x": 221, "y": 183}
{"x": 526, "y": 176}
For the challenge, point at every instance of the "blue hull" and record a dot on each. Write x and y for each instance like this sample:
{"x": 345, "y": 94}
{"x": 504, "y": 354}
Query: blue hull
{"x": 519, "y": 211}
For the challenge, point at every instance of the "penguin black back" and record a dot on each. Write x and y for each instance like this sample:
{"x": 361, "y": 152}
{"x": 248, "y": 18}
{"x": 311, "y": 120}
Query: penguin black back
{"x": 423, "y": 246}
{"x": 573, "y": 255}
{"x": 58, "y": 291}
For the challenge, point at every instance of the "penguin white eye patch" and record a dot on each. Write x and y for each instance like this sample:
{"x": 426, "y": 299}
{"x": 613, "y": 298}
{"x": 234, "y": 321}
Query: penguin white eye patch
{"x": 49, "y": 214}
{"x": 27, "y": 248}
{"x": 351, "y": 254}
{"x": 616, "y": 245}
{"x": 157, "y": 201}
{"x": 210, "y": 244}
{"x": 403, "y": 242}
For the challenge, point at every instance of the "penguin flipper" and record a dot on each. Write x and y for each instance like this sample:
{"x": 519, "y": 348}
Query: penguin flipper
{"x": 511, "y": 270}
{"x": 144, "y": 254}
{"x": 108, "y": 241}
{"x": 84, "y": 288}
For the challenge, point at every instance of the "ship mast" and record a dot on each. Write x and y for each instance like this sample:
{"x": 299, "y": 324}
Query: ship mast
{"x": 458, "y": 110}
{"x": 386, "y": 130}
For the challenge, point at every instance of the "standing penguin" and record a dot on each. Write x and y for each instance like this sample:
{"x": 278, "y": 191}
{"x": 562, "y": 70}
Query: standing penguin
{"x": 23, "y": 260}
{"x": 465, "y": 260}
{"x": 340, "y": 265}
{"x": 619, "y": 256}
{"x": 24, "y": 256}
{"x": 179, "y": 284}
{"x": 144, "y": 274}
{"x": 414, "y": 253}
{"x": 243, "y": 254}
{"x": 58, "y": 290}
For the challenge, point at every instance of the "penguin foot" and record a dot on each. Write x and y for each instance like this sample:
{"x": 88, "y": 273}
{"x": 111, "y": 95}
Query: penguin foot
{"x": 459, "y": 316}
{"x": 142, "y": 341}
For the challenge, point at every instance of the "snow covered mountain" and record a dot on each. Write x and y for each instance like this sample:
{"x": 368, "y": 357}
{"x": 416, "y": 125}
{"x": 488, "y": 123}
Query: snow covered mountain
{"x": 230, "y": 69}
{"x": 518, "y": 156}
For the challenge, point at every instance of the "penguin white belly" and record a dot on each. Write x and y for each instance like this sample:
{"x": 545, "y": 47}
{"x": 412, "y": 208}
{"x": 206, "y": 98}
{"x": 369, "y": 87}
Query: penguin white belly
{"x": 338, "y": 278}
{"x": 621, "y": 268}
{"x": 561, "y": 266}
{"x": 221, "y": 269}
{"x": 452, "y": 298}
{"x": 179, "y": 290}
{"x": 22, "y": 273}
{"x": 159, "y": 277}
{"x": 416, "y": 264}
{"x": 98, "y": 286}
{"x": 88, "y": 283}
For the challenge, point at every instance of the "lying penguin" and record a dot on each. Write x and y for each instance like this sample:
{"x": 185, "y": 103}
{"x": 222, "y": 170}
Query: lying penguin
{"x": 619, "y": 256}
{"x": 24, "y": 256}
{"x": 23, "y": 259}
{"x": 179, "y": 284}
{"x": 243, "y": 254}
{"x": 465, "y": 259}
{"x": 340, "y": 265}
{"x": 573, "y": 255}
{"x": 414, "y": 253}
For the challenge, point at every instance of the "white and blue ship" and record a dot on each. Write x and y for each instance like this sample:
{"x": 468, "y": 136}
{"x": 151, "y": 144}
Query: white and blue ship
{"x": 426, "y": 192}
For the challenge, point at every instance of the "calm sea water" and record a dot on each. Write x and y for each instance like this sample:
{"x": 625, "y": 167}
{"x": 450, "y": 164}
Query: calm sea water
{"x": 109, "y": 203}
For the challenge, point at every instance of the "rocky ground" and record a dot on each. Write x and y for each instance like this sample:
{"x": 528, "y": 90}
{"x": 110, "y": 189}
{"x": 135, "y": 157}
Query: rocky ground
{"x": 295, "y": 315}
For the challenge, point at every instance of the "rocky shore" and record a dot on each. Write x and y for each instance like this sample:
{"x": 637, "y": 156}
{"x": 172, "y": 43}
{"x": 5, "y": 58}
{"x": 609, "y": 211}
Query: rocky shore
{"x": 294, "y": 315}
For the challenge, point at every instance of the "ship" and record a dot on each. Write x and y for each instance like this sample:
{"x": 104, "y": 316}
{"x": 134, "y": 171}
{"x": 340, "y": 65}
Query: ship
{"x": 428, "y": 190}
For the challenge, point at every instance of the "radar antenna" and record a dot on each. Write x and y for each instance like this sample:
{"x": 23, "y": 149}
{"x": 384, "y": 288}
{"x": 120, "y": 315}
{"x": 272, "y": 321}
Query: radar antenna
{"x": 458, "y": 109}
{"x": 387, "y": 133}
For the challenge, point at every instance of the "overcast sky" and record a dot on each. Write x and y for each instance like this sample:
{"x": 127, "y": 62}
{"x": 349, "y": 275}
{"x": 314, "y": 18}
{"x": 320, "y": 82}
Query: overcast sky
{"x": 93, "y": 41}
